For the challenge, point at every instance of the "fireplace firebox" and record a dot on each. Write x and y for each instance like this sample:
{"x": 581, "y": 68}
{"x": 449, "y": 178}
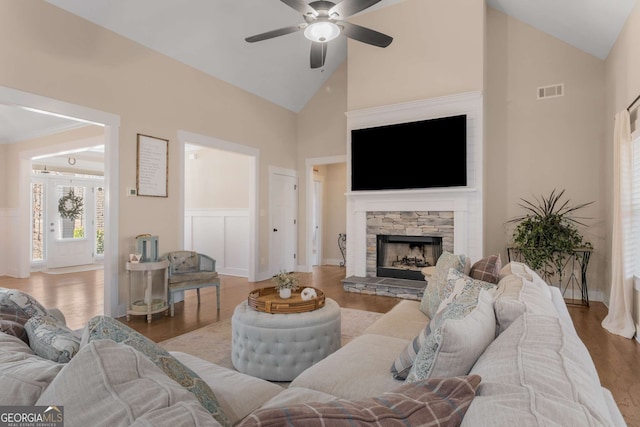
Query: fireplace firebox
{"x": 404, "y": 257}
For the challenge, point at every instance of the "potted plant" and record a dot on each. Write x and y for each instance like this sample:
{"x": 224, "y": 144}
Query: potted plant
{"x": 548, "y": 233}
{"x": 285, "y": 283}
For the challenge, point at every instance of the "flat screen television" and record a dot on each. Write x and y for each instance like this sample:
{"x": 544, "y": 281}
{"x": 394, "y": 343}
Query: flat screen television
{"x": 423, "y": 154}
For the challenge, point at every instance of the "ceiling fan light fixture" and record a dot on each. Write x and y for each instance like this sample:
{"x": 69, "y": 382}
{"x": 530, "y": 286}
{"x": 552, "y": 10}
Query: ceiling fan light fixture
{"x": 322, "y": 32}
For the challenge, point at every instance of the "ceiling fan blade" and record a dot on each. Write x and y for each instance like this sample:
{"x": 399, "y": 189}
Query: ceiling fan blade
{"x": 301, "y": 7}
{"x": 365, "y": 35}
{"x": 318, "y": 54}
{"x": 275, "y": 33}
{"x": 346, "y": 8}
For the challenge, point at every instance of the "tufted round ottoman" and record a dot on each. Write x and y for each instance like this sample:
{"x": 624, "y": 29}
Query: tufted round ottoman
{"x": 278, "y": 347}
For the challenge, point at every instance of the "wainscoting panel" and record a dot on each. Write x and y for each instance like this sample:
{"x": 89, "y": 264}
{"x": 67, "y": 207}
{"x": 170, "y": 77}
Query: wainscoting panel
{"x": 222, "y": 234}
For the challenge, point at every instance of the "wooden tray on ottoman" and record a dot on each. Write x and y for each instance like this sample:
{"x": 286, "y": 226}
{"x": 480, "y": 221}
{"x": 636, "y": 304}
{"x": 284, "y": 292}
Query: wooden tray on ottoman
{"x": 268, "y": 300}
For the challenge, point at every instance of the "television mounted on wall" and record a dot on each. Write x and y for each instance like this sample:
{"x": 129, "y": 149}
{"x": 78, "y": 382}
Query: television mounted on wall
{"x": 416, "y": 155}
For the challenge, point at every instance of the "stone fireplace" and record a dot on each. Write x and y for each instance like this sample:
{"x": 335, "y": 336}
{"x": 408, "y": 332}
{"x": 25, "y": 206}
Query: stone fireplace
{"x": 404, "y": 257}
{"x": 401, "y": 243}
{"x": 454, "y": 214}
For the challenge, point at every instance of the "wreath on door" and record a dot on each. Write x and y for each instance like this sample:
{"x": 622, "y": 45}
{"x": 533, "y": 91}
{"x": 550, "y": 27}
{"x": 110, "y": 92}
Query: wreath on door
{"x": 70, "y": 206}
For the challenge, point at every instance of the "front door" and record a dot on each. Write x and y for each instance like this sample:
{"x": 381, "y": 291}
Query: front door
{"x": 70, "y": 222}
{"x": 283, "y": 209}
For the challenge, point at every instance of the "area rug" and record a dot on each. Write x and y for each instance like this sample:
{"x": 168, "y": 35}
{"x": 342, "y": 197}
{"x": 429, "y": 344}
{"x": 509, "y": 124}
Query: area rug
{"x": 213, "y": 342}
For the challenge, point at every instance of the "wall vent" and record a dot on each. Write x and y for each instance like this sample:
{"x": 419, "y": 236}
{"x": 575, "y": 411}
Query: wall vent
{"x": 552, "y": 91}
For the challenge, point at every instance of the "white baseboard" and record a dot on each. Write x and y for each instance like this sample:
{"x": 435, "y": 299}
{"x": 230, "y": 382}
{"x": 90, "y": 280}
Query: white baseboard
{"x": 303, "y": 269}
{"x": 238, "y": 272}
{"x": 263, "y": 275}
{"x": 332, "y": 261}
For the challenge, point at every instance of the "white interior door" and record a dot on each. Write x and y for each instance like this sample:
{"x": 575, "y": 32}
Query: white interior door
{"x": 316, "y": 237}
{"x": 70, "y": 241}
{"x": 283, "y": 224}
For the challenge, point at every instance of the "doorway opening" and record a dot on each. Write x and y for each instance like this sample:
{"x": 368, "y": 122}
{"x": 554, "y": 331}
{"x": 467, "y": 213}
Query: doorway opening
{"x": 67, "y": 208}
{"x": 188, "y": 139}
{"x": 326, "y": 216}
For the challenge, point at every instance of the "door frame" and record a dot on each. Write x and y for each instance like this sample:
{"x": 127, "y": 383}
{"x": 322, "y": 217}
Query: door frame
{"x": 275, "y": 170}
{"x": 309, "y": 164}
{"x": 111, "y": 123}
{"x": 319, "y": 244}
{"x": 185, "y": 137}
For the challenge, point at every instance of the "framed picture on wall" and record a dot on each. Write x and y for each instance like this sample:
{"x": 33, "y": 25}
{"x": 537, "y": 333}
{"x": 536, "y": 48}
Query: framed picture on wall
{"x": 152, "y": 166}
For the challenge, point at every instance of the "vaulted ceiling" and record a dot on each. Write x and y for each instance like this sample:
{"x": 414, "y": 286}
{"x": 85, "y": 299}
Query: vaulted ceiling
{"x": 209, "y": 35}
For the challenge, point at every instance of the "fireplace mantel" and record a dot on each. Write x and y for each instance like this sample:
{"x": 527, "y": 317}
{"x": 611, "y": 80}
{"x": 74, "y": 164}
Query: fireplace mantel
{"x": 465, "y": 202}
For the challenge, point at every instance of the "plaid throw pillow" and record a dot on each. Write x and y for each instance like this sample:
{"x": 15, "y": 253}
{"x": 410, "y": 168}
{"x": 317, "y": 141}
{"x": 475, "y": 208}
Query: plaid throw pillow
{"x": 433, "y": 402}
{"x": 487, "y": 269}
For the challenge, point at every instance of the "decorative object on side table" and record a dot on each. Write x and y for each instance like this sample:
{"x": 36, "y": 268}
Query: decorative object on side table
{"x": 285, "y": 283}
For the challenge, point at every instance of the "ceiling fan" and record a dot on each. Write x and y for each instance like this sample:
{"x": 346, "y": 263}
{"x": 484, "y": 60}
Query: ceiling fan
{"x": 324, "y": 22}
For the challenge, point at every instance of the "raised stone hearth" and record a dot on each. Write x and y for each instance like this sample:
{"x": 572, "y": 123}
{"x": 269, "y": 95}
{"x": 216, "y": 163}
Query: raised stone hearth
{"x": 385, "y": 286}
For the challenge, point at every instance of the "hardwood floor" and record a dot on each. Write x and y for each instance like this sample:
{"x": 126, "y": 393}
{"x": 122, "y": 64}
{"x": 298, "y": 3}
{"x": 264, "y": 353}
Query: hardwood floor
{"x": 80, "y": 297}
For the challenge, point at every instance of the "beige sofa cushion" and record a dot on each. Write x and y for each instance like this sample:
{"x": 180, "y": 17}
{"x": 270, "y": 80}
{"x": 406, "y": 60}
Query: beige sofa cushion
{"x": 517, "y": 295}
{"x": 359, "y": 369}
{"x": 114, "y": 385}
{"x": 23, "y": 375}
{"x": 237, "y": 393}
{"x": 535, "y": 373}
{"x": 404, "y": 320}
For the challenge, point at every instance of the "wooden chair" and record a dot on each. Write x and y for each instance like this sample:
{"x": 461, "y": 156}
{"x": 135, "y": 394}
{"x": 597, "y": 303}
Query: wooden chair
{"x": 191, "y": 270}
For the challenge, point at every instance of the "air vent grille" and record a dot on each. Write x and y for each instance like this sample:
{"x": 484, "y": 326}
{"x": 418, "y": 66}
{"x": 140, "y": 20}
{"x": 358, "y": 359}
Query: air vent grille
{"x": 552, "y": 91}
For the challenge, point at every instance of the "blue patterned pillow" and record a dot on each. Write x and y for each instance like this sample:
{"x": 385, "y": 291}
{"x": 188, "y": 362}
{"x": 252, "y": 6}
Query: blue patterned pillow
{"x": 104, "y": 327}
{"x": 437, "y": 288}
{"x": 50, "y": 339}
{"x": 458, "y": 333}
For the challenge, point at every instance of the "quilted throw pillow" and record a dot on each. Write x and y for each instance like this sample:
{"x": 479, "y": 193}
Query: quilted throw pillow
{"x": 50, "y": 339}
{"x": 437, "y": 289}
{"x": 458, "y": 334}
{"x": 434, "y": 402}
{"x": 487, "y": 269}
{"x": 12, "y": 320}
{"x": 104, "y": 327}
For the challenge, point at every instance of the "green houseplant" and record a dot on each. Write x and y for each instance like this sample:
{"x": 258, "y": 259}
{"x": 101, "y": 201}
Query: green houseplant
{"x": 285, "y": 283}
{"x": 548, "y": 232}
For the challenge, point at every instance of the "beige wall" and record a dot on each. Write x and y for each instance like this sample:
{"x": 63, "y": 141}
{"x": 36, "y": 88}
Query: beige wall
{"x": 622, "y": 84}
{"x": 322, "y": 132}
{"x": 53, "y": 53}
{"x": 3, "y": 175}
{"x": 216, "y": 179}
{"x": 437, "y": 50}
{"x": 335, "y": 209}
{"x": 533, "y": 146}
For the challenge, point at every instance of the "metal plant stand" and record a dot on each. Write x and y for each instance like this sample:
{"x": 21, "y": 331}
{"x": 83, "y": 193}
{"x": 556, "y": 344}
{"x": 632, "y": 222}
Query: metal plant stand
{"x": 571, "y": 275}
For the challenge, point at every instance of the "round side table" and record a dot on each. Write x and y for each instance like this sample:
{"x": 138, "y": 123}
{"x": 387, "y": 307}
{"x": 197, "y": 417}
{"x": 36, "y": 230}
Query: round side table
{"x": 278, "y": 347}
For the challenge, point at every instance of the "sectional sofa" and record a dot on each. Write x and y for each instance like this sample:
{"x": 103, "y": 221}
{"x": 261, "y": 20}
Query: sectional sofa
{"x": 513, "y": 359}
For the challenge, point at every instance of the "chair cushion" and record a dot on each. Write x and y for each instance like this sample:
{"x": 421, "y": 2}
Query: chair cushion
{"x": 104, "y": 327}
{"x": 183, "y": 261}
{"x": 196, "y": 277}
